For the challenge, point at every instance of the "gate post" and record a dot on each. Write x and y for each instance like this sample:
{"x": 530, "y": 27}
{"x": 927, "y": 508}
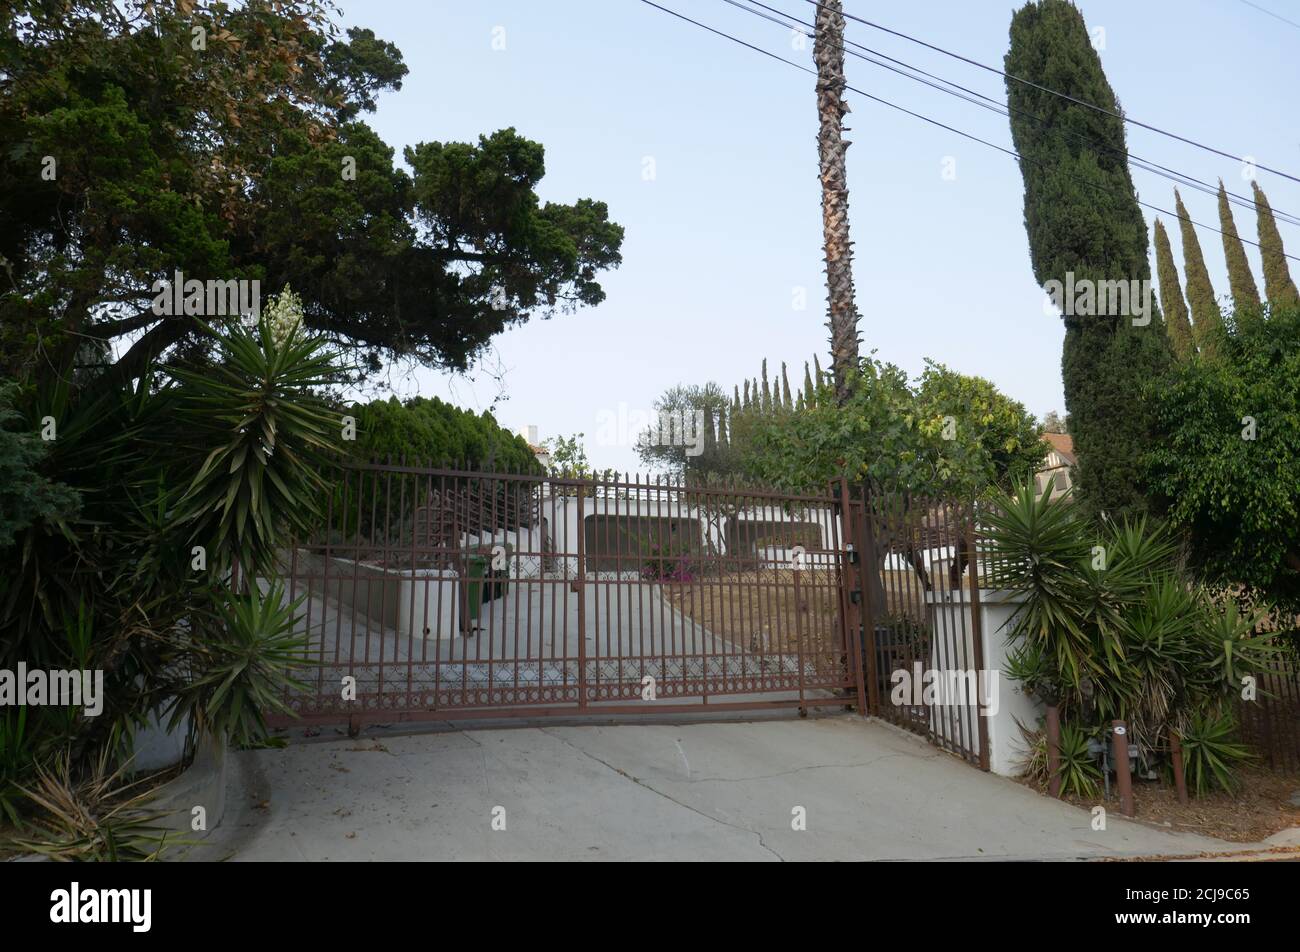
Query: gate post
{"x": 856, "y": 526}
{"x": 582, "y": 602}
{"x": 977, "y": 634}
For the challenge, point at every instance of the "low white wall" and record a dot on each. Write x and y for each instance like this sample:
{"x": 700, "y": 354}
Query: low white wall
{"x": 155, "y": 747}
{"x": 425, "y": 602}
{"x": 1007, "y": 749}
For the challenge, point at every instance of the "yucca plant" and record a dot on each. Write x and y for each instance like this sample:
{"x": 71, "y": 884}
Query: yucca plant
{"x": 98, "y": 817}
{"x": 1231, "y": 649}
{"x": 1039, "y": 547}
{"x": 273, "y": 438}
{"x": 1078, "y": 771}
{"x": 1160, "y": 660}
{"x": 242, "y": 666}
{"x": 16, "y": 758}
{"x": 1211, "y": 753}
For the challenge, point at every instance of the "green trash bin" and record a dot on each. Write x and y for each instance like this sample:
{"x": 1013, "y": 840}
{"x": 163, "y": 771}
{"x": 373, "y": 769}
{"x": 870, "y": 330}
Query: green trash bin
{"x": 472, "y": 589}
{"x": 499, "y": 579}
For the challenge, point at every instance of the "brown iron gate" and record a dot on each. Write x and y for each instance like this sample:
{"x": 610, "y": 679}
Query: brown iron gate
{"x": 440, "y": 593}
{"x": 923, "y": 648}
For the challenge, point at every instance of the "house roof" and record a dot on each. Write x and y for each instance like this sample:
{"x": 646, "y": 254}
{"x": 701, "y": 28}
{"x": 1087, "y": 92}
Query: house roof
{"x": 1063, "y": 443}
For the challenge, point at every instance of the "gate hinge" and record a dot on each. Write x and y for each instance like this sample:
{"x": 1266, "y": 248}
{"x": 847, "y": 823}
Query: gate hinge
{"x": 853, "y": 555}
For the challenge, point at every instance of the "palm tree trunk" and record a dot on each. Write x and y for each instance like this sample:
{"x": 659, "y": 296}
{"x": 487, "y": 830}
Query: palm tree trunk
{"x": 828, "y": 53}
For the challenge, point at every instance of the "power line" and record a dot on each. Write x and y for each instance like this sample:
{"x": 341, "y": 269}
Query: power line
{"x": 1271, "y": 13}
{"x": 924, "y": 118}
{"x": 1065, "y": 96}
{"x": 994, "y": 105}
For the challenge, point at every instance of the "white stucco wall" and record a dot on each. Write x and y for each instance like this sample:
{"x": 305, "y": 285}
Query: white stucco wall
{"x": 1007, "y": 749}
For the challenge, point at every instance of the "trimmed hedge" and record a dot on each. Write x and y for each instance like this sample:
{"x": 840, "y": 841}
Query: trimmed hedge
{"x": 428, "y": 431}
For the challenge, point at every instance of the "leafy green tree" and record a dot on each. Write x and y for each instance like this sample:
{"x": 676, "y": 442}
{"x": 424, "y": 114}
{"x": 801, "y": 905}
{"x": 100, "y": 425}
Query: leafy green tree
{"x": 1082, "y": 218}
{"x": 1052, "y": 423}
{"x": 130, "y": 155}
{"x": 1225, "y": 463}
{"x": 950, "y": 433}
{"x": 569, "y": 459}
{"x": 1178, "y": 327}
{"x": 1207, "y": 319}
{"x": 685, "y": 441}
{"x": 1240, "y": 280}
{"x": 1278, "y": 286}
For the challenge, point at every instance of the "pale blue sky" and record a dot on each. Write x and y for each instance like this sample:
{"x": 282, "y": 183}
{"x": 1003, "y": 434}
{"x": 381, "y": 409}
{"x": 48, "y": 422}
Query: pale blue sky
{"x": 729, "y": 229}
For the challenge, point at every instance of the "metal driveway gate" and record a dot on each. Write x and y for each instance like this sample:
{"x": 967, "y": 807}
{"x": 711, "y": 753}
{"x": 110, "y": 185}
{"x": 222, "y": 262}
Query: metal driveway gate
{"x": 439, "y": 593}
{"x": 923, "y": 655}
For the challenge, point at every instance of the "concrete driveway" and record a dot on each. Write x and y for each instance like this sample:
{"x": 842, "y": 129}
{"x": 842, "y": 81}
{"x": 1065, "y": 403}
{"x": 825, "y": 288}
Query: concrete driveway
{"x": 722, "y": 790}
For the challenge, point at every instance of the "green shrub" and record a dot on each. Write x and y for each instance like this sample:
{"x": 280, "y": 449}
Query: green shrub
{"x": 430, "y": 432}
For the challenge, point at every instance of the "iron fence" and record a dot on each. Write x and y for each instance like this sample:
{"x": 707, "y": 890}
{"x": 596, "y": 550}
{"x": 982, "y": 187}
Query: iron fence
{"x": 431, "y": 593}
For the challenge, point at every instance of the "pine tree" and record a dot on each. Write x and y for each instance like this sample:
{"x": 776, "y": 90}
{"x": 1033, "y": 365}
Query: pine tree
{"x": 1207, "y": 319}
{"x": 1240, "y": 281}
{"x": 1171, "y": 298}
{"x": 1082, "y": 217}
{"x": 1278, "y": 286}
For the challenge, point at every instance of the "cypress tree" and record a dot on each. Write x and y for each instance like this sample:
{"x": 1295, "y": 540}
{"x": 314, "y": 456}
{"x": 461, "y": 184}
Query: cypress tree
{"x": 735, "y": 400}
{"x": 767, "y": 390}
{"x": 1082, "y": 218}
{"x": 1278, "y": 286}
{"x": 1240, "y": 281}
{"x": 807, "y": 385}
{"x": 747, "y": 397}
{"x": 1171, "y": 297}
{"x": 1207, "y": 319}
{"x": 786, "y": 401}
{"x": 817, "y": 370}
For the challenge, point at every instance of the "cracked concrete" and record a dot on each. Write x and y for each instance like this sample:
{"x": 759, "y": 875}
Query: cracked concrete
{"x": 683, "y": 791}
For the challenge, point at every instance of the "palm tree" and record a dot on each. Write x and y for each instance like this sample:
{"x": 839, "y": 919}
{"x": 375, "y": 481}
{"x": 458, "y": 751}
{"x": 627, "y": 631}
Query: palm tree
{"x": 828, "y": 53}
